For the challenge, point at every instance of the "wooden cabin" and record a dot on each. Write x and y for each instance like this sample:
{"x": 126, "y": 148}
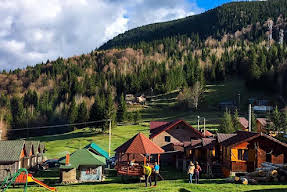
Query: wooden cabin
{"x": 245, "y": 151}
{"x": 135, "y": 153}
{"x": 82, "y": 166}
{"x": 12, "y": 154}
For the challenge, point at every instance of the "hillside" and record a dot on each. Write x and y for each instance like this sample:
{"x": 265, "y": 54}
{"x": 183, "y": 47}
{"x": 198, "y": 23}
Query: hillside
{"x": 214, "y": 23}
{"x": 154, "y": 59}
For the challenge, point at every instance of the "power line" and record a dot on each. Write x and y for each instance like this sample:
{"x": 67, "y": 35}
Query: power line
{"x": 62, "y": 125}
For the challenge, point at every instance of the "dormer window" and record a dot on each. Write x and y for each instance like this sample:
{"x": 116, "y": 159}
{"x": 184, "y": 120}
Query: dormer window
{"x": 167, "y": 138}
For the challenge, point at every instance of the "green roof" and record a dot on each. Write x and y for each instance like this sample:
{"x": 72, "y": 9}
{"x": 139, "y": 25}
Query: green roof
{"x": 98, "y": 150}
{"x": 10, "y": 151}
{"x": 83, "y": 157}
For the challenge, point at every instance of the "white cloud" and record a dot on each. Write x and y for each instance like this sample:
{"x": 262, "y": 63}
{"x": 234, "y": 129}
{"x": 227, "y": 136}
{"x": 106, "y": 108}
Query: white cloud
{"x": 33, "y": 31}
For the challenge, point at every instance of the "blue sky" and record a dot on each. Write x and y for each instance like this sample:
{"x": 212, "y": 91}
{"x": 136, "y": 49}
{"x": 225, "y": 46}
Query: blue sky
{"x": 209, "y": 4}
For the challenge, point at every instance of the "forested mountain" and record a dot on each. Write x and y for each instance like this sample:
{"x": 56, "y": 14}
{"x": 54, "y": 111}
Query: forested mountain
{"x": 217, "y": 22}
{"x": 214, "y": 46}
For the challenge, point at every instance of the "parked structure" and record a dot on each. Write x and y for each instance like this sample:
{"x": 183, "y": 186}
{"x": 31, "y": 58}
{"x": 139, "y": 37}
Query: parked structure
{"x": 82, "y": 166}
{"x": 136, "y": 152}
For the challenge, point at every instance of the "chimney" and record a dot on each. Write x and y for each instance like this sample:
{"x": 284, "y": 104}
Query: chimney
{"x": 67, "y": 160}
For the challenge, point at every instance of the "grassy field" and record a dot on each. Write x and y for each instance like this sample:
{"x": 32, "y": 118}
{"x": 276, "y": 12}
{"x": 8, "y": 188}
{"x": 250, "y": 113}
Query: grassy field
{"x": 58, "y": 145}
{"x": 165, "y": 186}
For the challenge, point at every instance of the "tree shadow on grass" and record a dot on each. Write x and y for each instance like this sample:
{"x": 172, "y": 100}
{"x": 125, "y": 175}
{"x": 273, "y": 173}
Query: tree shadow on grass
{"x": 67, "y": 136}
{"x": 183, "y": 190}
{"x": 269, "y": 190}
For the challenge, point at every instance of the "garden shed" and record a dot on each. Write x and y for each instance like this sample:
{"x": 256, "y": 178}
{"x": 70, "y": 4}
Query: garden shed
{"x": 82, "y": 166}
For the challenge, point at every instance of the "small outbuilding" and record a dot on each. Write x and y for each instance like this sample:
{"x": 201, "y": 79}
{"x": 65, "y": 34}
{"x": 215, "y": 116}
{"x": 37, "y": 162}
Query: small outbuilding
{"x": 82, "y": 166}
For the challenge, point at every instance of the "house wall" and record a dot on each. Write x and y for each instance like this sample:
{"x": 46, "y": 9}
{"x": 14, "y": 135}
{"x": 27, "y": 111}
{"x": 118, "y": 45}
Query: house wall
{"x": 260, "y": 127}
{"x": 68, "y": 175}
{"x": 90, "y": 173}
{"x": 4, "y": 167}
{"x": 179, "y": 133}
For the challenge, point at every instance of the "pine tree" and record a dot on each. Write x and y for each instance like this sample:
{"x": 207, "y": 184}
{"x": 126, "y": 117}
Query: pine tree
{"x": 227, "y": 123}
{"x": 17, "y": 111}
{"x": 82, "y": 113}
{"x": 122, "y": 110}
{"x": 110, "y": 112}
{"x": 97, "y": 111}
{"x": 72, "y": 112}
{"x": 253, "y": 122}
{"x": 137, "y": 117}
{"x": 236, "y": 122}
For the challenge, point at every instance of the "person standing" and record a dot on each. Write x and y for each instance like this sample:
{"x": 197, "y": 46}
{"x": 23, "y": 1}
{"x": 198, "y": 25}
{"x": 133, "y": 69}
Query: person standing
{"x": 147, "y": 174}
{"x": 190, "y": 171}
{"x": 156, "y": 173}
{"x": 196, "y": 172}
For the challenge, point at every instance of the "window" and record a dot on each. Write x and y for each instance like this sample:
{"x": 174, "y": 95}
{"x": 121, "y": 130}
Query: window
{"x": 167, "y": 138}
{"x": 243, "y": 154}
{"x": 268, "y": 157}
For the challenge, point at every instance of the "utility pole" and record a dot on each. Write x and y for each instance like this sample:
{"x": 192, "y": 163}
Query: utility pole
{"x": 281, "y": 36}
{"x": 198, "y": 122}
{"x": 249, "y": 122}
{"x": 110, "y": 136}
{"x": 270, "y": 28}
{"x": 204, "y": 127}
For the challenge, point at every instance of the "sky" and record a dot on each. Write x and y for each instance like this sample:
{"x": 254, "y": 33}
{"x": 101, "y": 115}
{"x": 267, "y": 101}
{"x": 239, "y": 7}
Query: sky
{"x": 33, "y": 31}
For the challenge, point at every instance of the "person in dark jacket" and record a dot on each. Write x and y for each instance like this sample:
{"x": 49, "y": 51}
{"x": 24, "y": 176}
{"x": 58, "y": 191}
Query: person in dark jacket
{"x": 196, "y": 172}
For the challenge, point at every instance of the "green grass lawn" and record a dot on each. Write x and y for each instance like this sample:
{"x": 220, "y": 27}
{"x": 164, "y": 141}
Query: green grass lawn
{"x": 179, "y": 185}
{"x": 58, "y": 145}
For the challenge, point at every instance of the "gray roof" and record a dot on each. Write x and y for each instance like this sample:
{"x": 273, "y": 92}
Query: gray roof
{"x": 32, "y": 144}
{"x": 10, "y": 151}
{"x": 222, "y": 136}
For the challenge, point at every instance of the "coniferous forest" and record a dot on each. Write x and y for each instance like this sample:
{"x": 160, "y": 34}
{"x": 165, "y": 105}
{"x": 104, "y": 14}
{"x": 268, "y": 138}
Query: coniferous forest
{"x": 226, "y": 42}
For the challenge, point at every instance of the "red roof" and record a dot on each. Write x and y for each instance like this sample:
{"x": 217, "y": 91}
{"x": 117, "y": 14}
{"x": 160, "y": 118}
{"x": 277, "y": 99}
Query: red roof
{"x": 156, "y": 124}
{"x": 243, "y": 122}
{"x": 206, "y": 133}
{"x": 262, "y": 121}
{"x": 139, "y": 144}
{"x": 165, "y": 127}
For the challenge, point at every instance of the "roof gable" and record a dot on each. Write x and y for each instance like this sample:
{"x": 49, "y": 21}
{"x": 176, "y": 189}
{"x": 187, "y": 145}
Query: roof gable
{"x": 244, "y": 122}
{"x": 156, "y": 124}
{"x": 83, "y": 157}
{"x": 171, "y": 125}
{"x": 95, "y": 148}
{"x": 139, "y": 144}
{"x": 10, "y": 151}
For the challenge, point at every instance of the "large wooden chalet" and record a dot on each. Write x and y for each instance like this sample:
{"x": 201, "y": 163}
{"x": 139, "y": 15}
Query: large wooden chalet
{"x": 245, "y": 151}
{"x": 241, "y": 151}
{"x": 173, "y": 137}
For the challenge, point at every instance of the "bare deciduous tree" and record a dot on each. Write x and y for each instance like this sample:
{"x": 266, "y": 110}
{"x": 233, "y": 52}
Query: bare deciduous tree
{"x": 190, "y": 97}
{"x": 196, "y": 94}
